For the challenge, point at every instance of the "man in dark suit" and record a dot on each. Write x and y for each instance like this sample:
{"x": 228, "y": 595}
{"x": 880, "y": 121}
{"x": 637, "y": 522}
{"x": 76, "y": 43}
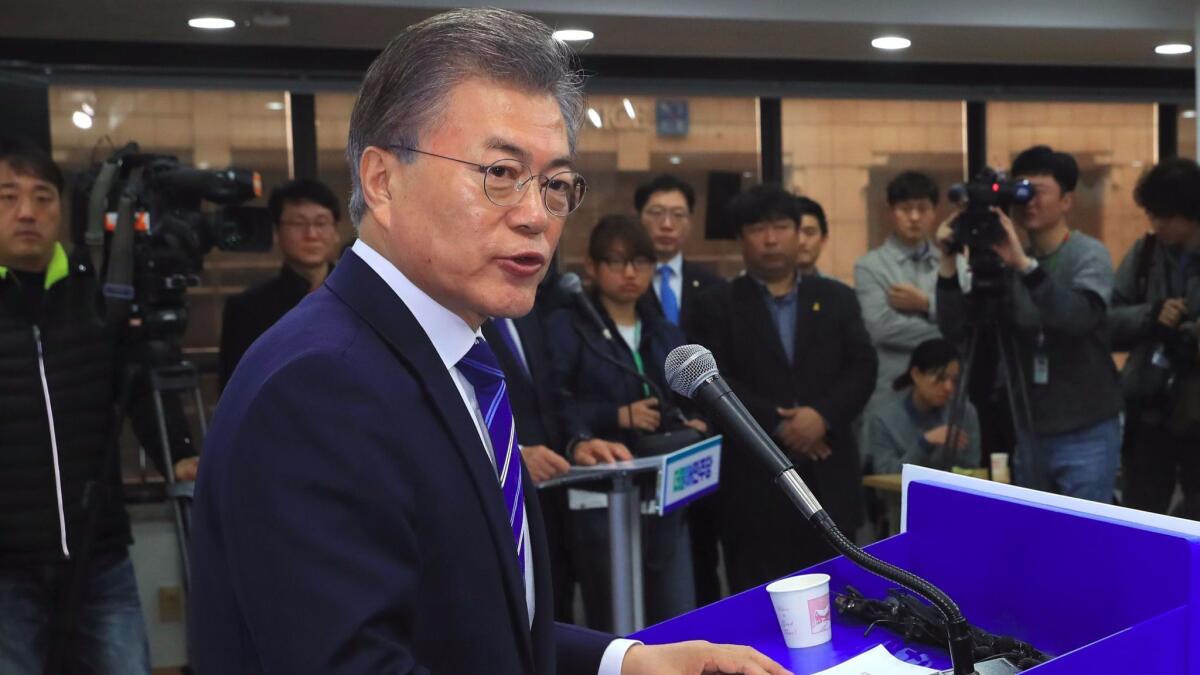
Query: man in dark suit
{"x": 520, "y": 346}
{"x": 363, "y": 506}
{"x": 795, "y": 351}
{"x": 305, "y": 213}
{"x": 665, "y": 205}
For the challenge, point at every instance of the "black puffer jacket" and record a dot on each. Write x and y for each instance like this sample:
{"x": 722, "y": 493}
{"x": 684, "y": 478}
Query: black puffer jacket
{"x": 73, "y": 382}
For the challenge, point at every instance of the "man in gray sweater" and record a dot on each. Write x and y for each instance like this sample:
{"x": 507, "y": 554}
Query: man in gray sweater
{"x": 1156, "y": 307}
{"x": 1058, "y": 299}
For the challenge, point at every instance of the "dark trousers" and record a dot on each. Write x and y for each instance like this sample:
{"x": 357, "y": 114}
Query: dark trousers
{"x": 1154, "y": 460}
{"x": 667, "y": 585}
{"x": 703, "y": 527}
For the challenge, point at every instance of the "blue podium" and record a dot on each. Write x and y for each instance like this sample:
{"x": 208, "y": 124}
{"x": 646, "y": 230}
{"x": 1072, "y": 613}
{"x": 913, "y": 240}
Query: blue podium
{"x": 1102, "y": 588}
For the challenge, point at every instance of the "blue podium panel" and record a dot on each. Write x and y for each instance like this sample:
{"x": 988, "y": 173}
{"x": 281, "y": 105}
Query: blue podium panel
{"x": 1104, "y": 589}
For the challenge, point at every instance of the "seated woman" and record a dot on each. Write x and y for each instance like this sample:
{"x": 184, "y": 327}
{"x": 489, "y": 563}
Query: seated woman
{"x": 911, "y": 427}
{"x": 603, "y": 393}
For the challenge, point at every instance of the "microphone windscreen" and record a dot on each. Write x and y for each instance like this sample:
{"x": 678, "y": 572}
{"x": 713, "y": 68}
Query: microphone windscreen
{"x": 569, "y": 283}
{"x": 687, "y": 366}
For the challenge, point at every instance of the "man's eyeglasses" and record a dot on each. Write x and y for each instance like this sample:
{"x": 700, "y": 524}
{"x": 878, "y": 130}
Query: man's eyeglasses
{"x": 505, "y": 180}
{"x": 615, "y": 264}
{"x": 658, "y": 214}
{"x": 299, "y": 225}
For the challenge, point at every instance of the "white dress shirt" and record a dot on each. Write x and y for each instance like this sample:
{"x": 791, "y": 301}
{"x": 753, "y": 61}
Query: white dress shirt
{"x": 676, "y": 280}
{"x": 453, "y": 338}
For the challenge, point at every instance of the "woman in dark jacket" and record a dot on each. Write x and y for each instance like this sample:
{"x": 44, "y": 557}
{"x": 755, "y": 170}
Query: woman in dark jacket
{"x": 602, "y": 395}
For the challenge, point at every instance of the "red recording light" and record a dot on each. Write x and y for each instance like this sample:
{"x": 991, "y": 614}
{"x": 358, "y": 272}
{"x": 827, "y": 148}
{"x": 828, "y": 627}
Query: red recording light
{"x": 995, "y": 187}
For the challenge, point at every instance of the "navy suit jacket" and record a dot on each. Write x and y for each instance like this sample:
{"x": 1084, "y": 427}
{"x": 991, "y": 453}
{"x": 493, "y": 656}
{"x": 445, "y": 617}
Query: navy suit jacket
{"x": 347, "y": 518}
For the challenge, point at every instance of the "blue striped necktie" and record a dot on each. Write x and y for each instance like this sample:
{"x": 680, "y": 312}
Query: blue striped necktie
{"x": 482, "y": 370}
{"x": 670, "y": 303}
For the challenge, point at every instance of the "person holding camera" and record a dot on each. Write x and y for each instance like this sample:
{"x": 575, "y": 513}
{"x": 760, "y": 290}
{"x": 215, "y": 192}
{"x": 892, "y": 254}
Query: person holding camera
{"x": 599, "y": 399}
{"x": 1057, "y": 301}
{"x": 60, "y": 362}
{"x": 1156, "y": 318}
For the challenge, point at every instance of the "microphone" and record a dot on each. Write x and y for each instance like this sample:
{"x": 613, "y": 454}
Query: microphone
{"x": 570, "y": 284}
{"x": 692, "y": 372}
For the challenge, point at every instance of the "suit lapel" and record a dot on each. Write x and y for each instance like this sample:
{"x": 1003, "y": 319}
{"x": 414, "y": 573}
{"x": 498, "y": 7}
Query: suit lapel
{"x": 372, "y": 299}
{"x": 749, "y": 300}
{"x": 809, "y": 311}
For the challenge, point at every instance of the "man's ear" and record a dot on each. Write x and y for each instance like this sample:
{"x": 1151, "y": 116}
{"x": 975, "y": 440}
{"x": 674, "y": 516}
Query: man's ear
{"x": 376, "y": 168}
{"x": 1068, "y": 201}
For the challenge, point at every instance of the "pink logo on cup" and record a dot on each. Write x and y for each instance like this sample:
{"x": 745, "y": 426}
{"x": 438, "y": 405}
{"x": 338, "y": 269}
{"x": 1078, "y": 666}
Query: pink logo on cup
{"x": 818, "y": 613}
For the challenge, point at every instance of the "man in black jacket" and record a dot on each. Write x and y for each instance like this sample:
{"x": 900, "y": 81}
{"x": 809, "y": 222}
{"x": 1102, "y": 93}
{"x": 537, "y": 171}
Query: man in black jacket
{"x": 305, "y": 213}
{"x": 795, "y": 351}
{"x": 59, "y": 365}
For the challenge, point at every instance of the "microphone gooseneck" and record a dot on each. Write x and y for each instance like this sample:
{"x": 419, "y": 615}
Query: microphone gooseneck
{"x": 692, "y": 372}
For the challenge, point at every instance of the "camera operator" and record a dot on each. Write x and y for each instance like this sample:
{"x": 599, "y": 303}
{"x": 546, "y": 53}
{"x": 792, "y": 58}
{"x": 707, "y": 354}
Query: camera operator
{"x": 1056, "y": 304}
{"x": 1156, "y": 304}
{"x": 59, "y": 377}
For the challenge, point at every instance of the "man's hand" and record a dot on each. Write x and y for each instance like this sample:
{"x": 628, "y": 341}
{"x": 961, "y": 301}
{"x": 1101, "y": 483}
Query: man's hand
{"x": 1010, "y": 250}
{"x": 908, "y": 298}
{"x": 817, "y": 452}
{"x": 1172, "y": 312}
{"x": 186, "y": 469}
{"x": 697, "y": 658}
{"x": 937, "y": 436}
{"x": 641, "y": 415}
{"x": 800, "y": 428}
{"x": 697, "y": 424}
{"x": 596, "y": 451}
{"x": 543, "y": 463}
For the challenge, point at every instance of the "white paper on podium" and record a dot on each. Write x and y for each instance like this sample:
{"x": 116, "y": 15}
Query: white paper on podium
{"x": 878, "y": 661}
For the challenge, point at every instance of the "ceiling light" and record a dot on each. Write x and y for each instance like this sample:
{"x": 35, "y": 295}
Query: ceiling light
{"x": 274, "y": 105}
{"x": 1189, "y": 114}
{"x": 676, "y": 159}
{"x": 573, "y": 35}
{"x": 891, "y": 42}
{"x": 629, "y": 110}
{"x": 81, "y": 119}
{"x": 594, "y": 116}
{"x": 87, "y": 108}
{"x": 211, "y": 23}
{"x": 1173, "y": 49}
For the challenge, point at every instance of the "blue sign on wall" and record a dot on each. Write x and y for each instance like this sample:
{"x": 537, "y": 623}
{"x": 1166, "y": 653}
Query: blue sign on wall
{"x": 671, "y": 117}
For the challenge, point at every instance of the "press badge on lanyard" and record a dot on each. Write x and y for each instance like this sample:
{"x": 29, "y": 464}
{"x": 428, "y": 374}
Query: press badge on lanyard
{"x": 1041, "y": 361}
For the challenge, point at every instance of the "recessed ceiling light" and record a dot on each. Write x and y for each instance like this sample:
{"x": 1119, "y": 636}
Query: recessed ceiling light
{"x": 1189, "y": 114}
{"x": 211, "y": 23}
{"x": 87, "y": 108}
{"x": 1173, "y": 49}
{"x": 629, "y": 110}
{"x": 594, "y": 116}
{"x": 891, "y": 42}
{"x": 81, "y": 119}
{"x": 676, "y": 159}
{"x": 573, "y": 35}
{"x": 274, "y": 105}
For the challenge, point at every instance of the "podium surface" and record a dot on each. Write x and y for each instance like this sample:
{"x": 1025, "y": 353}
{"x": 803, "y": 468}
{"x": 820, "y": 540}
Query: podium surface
{"x": 1101, "y": 588}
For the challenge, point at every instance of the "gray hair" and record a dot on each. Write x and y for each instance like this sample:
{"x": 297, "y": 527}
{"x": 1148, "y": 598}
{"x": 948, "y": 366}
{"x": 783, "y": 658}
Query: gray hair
{"x": 406, "y": 87}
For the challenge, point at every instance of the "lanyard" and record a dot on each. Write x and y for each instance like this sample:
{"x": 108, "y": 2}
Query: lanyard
{"x": 637, "y": 355}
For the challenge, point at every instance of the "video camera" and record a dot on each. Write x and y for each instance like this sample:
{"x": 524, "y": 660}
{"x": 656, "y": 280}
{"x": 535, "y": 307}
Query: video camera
{"x": 143, "y": 218}
{"x": 978, "y": 228}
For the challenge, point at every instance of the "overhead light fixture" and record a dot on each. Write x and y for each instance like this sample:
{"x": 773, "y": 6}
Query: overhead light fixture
{"x": 891, "y": 42}
{"x": 211, "y": 23}
{"x": 81, "y": 119}
{"x": 274, "y": 105}
{"x": 573, "y": 35}
{"x": 1189, "y": 114}
{"x": 629, "y": 110}
{"x": 594, "y": 116}
{"x": 676, "y": 159}
{"x": 87, "y": 108}
{"x": 1173, "y": 49}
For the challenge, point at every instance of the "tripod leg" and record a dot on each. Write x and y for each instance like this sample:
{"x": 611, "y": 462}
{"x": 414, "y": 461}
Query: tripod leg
{"x": 958, "y": 403}
{"x": 1019, "y": 406}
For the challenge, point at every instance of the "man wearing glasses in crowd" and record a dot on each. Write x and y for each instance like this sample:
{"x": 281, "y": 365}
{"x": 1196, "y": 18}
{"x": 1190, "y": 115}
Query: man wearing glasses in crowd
{"x": 364, "y": 507}
{"x": 305, "y": 213}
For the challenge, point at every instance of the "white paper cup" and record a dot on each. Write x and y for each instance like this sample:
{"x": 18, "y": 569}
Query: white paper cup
{"x": 1000, "y": 472}
{"x": 803, "y": 609}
